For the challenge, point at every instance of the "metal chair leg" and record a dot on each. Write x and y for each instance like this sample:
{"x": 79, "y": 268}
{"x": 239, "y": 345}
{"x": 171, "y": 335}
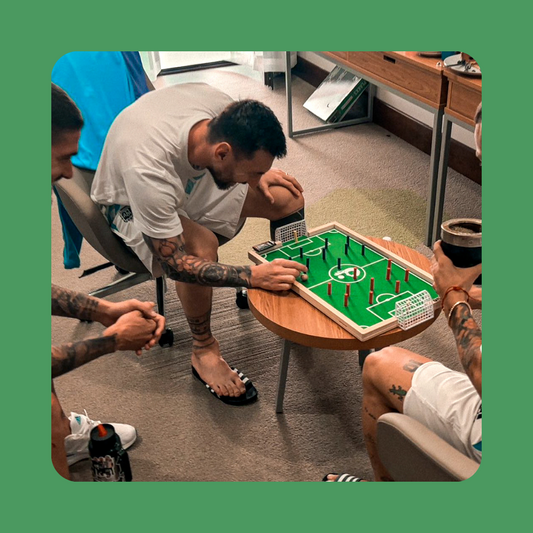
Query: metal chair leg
{"x": 160, "y": 289}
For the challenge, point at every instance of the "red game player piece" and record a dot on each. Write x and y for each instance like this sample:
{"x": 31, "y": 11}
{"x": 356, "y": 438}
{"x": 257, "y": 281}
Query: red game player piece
{"x": 398, "y": 286}
{"x": 388, "y": 273}
{"x": 355, "y": 273}
{"x": 371, "y": 297}
{"x": 329, "y": 288}
{"x": 345, "y": 300}
{"x": 348, "y": 289}
{"x": 371, "y": 284}
{"x": 407, "y": 275}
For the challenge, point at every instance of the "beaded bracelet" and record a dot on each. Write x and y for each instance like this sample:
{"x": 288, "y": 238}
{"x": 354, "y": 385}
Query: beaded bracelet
{"x": 455, "y": 288}
{"x": 452, "y": 309}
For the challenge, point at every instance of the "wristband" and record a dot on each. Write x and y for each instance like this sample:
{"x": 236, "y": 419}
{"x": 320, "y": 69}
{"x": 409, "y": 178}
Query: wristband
{"x": 455, "y": 288}
{"x": 453, "y": 307}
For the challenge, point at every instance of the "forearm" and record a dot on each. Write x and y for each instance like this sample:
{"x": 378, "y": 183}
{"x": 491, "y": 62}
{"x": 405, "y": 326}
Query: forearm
{"x": 196, "y": 270}
{"x": 74, "y": 304}
{"x": 179, "y": 266}
{"x": 70, "y": 356}
{"x": 468, "y": 338}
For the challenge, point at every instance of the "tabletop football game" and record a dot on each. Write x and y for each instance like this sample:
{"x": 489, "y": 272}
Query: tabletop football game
{"x": 359, "y": 284}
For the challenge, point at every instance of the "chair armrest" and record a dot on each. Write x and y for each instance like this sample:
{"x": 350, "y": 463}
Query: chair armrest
{"x": 412, "y": 452}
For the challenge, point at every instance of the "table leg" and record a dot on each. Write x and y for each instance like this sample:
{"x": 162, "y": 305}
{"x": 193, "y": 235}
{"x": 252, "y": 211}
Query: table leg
{"x": 441, "y": 179}
{"x": 283, "y": 368}
{"x": 436, "y": 142}
{"x": 363, "y": 354}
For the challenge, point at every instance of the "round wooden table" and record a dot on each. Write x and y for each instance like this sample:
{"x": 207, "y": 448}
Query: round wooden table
{"x": 297, "y": 321}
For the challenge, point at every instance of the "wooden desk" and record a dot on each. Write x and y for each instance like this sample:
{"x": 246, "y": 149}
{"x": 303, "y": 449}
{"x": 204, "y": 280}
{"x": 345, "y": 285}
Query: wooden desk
{"x": 297, "y": 321}
{"x": 464, "y": 95}
{"x": 417, "y": 79}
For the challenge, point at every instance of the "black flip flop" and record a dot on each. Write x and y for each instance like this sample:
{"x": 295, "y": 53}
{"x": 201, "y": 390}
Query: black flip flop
{"x": 248, "y": 397}
{"x": 342, "y": 477}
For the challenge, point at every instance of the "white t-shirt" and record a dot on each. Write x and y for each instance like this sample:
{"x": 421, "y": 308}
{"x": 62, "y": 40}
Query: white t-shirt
{"x": 144, "y": 163}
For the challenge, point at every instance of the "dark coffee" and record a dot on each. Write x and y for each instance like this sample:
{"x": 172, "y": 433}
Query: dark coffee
{"x": 461, "y": 242}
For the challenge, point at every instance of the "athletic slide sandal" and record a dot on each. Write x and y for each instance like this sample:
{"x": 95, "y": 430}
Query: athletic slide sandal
{"x": 248, "y": 397}
{"x": 342, "y": 477}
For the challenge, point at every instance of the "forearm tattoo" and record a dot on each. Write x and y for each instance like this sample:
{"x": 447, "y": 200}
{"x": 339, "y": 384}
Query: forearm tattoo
{"x": 468, "y": 338}
{"x": 70, "y": 356}
{"x": 179, "y": 266}
{"x": 73, "y": 304}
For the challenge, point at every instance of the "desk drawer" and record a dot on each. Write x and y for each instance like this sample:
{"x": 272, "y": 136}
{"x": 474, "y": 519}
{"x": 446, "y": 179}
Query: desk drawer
{"x": 342, "y": 55}
{"x": 401, "y": 75}
{"x": 463, "y": 101}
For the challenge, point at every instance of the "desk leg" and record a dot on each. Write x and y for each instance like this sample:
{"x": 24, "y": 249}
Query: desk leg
{"x": 436, "y": 141}
{"x": 441, "y": 179}
{"x": 283, "y": 368}
{"x": 288, "y": 86}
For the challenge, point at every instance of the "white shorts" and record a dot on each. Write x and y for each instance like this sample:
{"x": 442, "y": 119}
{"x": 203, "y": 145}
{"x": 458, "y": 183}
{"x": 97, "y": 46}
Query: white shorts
{"x": 446, "y": 402}
{"x": 208, "y": 206}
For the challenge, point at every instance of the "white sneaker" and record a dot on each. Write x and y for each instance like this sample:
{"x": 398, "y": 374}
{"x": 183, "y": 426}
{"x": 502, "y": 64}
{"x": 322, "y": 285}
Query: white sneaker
{"x": 77, "y": 443}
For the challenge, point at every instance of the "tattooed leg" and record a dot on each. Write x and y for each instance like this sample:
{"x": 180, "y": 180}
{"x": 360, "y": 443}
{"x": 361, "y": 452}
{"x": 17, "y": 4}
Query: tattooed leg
{"x": 387, "y": 377}
{"x": 196, "y": 301}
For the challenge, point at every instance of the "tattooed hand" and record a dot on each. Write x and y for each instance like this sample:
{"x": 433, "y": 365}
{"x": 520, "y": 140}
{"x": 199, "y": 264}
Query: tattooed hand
{"x": 279, "y": 275}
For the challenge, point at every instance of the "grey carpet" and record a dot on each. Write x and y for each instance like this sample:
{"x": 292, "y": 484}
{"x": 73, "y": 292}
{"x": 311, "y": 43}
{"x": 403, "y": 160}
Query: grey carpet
{"x": 361, "y": 176}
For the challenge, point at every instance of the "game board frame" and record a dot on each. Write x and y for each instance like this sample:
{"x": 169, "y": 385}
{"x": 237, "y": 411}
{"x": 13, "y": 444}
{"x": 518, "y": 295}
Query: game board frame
{"x": 363, "y": 334}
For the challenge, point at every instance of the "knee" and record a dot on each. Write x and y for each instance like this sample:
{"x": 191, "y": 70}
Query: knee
{"x": 285, "y": 203}
{"x": 376, "y": 364}
{"x": 204, "y": 244}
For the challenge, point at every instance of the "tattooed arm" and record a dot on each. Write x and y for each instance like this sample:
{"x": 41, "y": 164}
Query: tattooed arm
{"x": 70, "y": 356}
{"x": 132, "y": 331}
{"x": 180, "y": 266}
{"x": 73, "y": 304}
{"x": 466, "y": 332}
{"x": 468, "y": 338}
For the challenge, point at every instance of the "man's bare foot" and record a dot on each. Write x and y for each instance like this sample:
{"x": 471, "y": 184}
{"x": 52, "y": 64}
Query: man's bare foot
{"x": 212, "y": 368}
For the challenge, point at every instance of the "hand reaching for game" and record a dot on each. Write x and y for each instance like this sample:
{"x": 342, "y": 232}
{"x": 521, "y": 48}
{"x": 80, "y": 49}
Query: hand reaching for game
{"x": 279, "y": 275}
{"x": 132, "y": 332}
{"x": 276, "y": 177}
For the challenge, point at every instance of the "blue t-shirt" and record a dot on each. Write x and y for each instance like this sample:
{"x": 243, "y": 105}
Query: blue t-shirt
{"x": 101, "y": 84}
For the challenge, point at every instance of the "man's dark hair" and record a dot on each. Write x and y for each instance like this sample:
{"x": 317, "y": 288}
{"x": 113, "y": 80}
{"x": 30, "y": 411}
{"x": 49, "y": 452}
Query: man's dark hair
{"x": 65, "y": 114}
{"x": 248, "y": 126}
{"x": 477, "y": 118}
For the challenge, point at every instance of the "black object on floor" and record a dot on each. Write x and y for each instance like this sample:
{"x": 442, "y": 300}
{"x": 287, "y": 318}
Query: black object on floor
{"x": 242, "y": 299}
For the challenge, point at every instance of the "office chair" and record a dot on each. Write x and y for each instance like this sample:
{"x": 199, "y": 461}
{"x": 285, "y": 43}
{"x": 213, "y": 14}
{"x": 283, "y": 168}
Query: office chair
{"x": 412, "y": 452}
{"x": 86, "y": 215}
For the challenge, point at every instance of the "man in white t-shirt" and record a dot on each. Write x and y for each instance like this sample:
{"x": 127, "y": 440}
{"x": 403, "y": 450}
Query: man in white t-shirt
{"x": 181, "y": 170}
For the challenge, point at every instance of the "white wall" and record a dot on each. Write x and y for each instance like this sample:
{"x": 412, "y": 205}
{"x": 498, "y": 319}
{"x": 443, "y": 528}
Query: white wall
{"x": 460, "y": 134}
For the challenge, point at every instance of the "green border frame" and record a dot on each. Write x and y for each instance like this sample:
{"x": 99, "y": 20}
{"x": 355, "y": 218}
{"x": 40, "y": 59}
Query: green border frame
{"x": 34, "y": 37}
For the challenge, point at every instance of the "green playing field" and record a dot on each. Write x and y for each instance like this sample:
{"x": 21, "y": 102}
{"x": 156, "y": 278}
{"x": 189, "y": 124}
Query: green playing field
{"x": 370, "y": 265}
